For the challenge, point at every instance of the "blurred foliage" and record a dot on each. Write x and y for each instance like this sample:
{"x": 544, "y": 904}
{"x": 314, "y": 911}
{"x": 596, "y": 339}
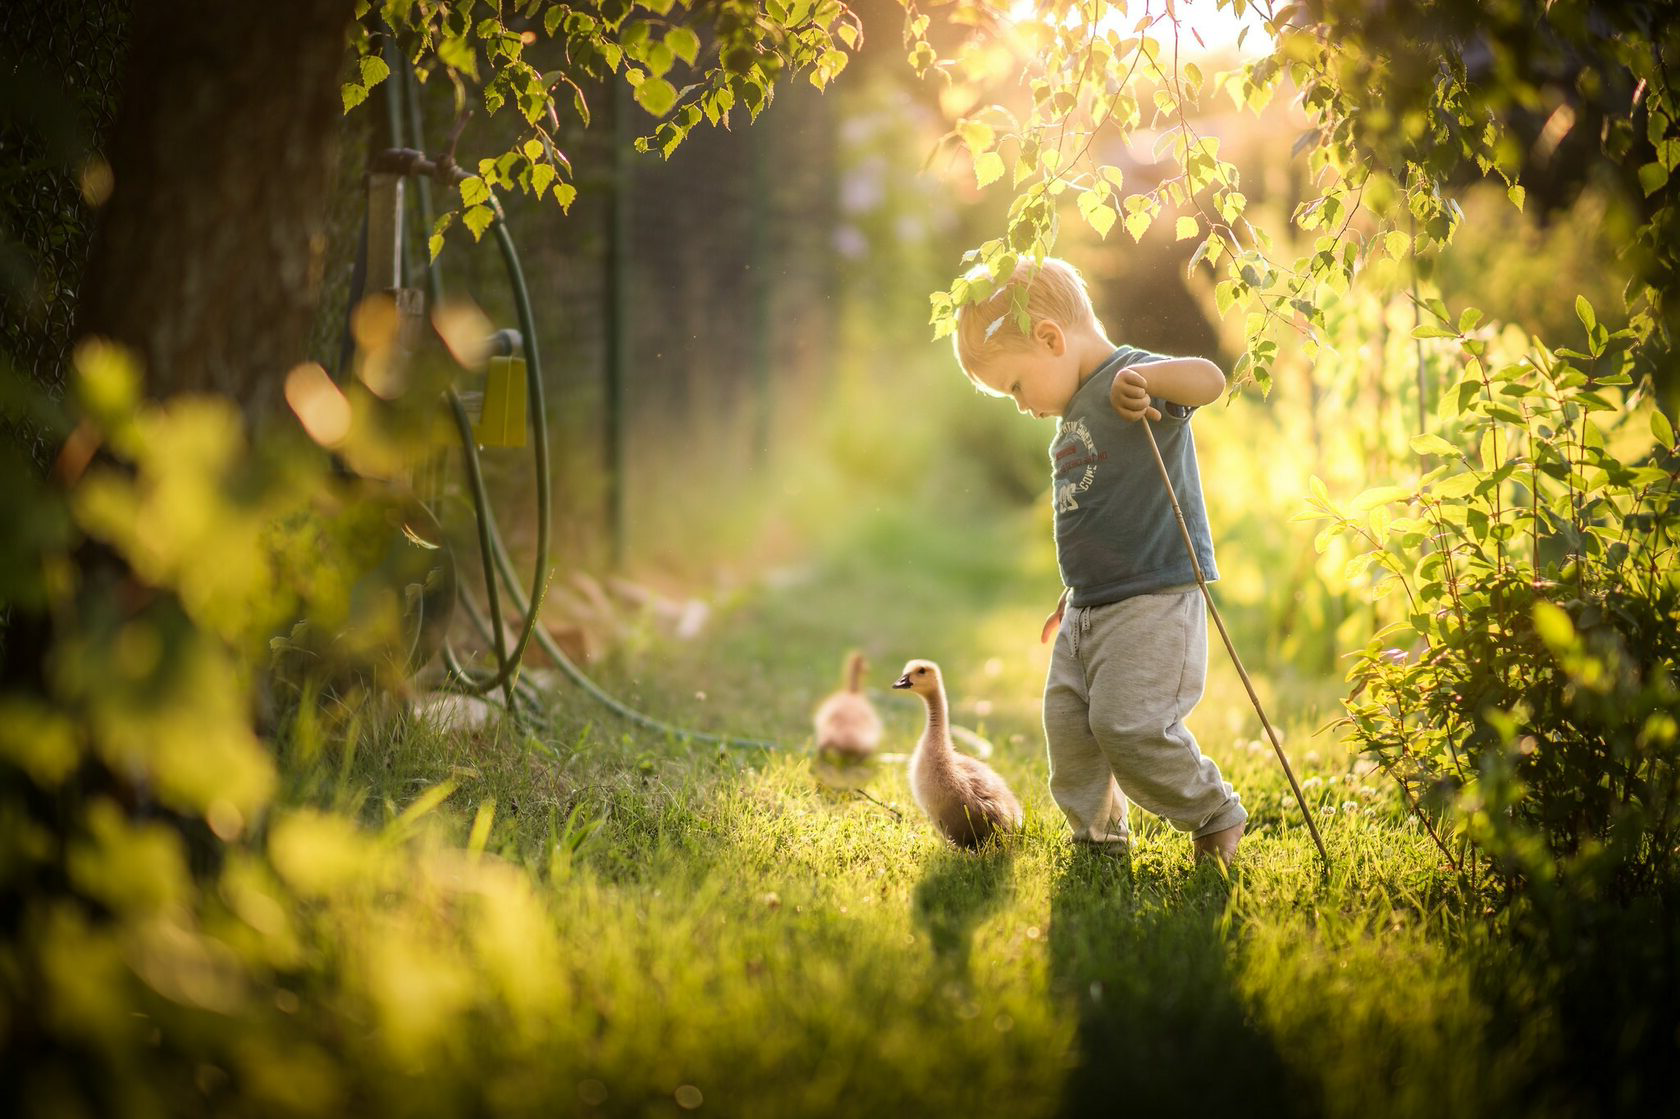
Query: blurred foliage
{"x": 1514, "y": 266}
{"x": 1525, "y": 689}
{"x": 154, "y": 889}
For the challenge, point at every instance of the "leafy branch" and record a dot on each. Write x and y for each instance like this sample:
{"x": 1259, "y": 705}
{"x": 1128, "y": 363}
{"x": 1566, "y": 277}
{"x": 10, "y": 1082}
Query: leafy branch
{"x": 684, "y": 61}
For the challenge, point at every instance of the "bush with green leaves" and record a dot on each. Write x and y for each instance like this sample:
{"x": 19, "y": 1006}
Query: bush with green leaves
{"x": 177, "y": 931}
{"x": 1524, "y": 699}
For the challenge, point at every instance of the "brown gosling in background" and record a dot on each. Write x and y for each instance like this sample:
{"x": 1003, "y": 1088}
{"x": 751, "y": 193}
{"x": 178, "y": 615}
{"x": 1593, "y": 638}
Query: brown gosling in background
{"x": 963, "y": 797}
{"x": 847, "y": 728}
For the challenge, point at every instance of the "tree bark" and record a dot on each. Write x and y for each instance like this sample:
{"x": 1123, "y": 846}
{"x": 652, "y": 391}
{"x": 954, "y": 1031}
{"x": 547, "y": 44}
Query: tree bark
{"x": 210, "y": 255}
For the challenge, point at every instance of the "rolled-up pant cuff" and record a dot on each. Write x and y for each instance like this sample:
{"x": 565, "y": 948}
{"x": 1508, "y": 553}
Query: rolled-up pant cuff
{"x": 1227, "y": 817}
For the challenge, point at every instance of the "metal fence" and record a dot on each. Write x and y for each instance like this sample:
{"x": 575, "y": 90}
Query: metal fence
{"x": 59, "y": 72}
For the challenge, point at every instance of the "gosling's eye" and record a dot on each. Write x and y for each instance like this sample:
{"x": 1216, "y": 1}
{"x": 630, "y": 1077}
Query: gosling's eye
{"x": 920, "y": 671}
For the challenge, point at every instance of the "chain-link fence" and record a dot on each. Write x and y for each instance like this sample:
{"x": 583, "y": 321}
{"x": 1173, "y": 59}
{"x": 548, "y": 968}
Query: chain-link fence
{"x": 60, "y": 67}
{"x": 686, "y": 308}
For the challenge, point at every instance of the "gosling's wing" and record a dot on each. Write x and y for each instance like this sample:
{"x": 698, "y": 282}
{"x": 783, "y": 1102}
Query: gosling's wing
{"x": 987, "y": 791}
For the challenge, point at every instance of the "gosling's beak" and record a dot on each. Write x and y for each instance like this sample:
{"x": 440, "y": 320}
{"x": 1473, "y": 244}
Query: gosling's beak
{"x": 902, "y": 681}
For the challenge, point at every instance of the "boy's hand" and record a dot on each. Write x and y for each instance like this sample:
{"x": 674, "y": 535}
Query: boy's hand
{"x": 1054, "y": 621}
{"x": 1130, "y": 396}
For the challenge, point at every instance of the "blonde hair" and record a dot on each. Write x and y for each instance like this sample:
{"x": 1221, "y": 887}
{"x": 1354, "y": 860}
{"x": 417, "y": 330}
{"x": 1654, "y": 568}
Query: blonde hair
{"x": 1055, "y": 291}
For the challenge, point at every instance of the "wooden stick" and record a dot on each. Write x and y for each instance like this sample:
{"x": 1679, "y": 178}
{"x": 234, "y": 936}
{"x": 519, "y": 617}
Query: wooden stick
{"x": 1201, "y": 581}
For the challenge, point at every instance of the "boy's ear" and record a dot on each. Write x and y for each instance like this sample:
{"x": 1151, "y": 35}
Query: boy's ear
{"x": 1049, "y": 333}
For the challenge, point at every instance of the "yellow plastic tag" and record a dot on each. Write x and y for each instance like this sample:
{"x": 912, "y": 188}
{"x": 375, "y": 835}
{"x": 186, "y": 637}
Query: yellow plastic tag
{"x": 502, "y": 421}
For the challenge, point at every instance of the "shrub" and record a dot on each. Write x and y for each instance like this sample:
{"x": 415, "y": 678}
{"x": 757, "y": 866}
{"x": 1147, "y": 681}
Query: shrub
{"x": 1524, "y": 700}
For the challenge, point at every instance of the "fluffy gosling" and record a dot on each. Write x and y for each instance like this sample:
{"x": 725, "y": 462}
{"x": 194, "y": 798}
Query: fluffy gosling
{"x": 963, "y": 797}
{"x": 847, "y": 728}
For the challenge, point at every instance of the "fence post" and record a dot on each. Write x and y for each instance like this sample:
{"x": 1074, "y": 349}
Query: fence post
{"x": 616, "y": 320}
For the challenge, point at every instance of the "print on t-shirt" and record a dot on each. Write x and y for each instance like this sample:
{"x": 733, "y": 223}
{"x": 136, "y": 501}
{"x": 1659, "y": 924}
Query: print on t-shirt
{"x": 1075, "y": 457}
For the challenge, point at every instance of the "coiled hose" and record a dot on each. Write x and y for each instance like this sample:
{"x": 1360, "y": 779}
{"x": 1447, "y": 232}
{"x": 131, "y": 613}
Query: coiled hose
{"x": 521, "y": 696}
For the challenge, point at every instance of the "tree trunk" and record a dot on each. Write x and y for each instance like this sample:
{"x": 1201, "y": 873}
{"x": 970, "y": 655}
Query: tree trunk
{"x": 210, "y": 255}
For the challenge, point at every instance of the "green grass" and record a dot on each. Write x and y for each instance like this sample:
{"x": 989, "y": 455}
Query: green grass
{"x": 712, "y": 924}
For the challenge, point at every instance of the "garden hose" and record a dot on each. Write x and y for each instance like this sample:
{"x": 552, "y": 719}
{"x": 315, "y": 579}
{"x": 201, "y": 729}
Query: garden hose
{"x": 504, "y": 565}
{"x": 412, "y": 162}
{"x": 475, "y": 482}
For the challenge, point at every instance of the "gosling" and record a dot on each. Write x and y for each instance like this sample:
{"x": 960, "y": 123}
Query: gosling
{"x": 964, "y": 798}
{"x": 847, "y": 728}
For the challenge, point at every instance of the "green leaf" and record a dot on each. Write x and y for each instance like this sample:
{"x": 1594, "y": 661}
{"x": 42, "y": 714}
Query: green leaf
{"x": 1554, "y": 626}
{"x": 1652, "y": 178}
{"x": 1430, "y": 444}
{"x": 108, "y": 383}
{"x": 1186, "y": 227}
{"x": 1661, "y": 428}
{"x": 1455, "y": 486}
{"x": 473, "y": 191}
{"x": 660, "y": 60}
{"x": 374, "y": 70}
{"x": 542, "y": 174}
{"x": 978, "y": 135}
{"x": 1381, "y": 495}
{"x": 1097, "y": 212}
{"x": 684, "y": 43}
{"x": 635, "y": 35}
{"x": 352, "y": 94}
{"x": 1517, "y": 195}
{"x": 564, "y": 193}
{"x": 988, "y": 168}
{"x": 456, "y": 52}
{"x": 656, "y": 95}
{"x": 1196, "y": 257}
{"x": 435, "y": 242}
{"x": 1224, "y": 296}
{"x": 1584, "y": 312}
{"x": 478, "y": 219}
{"x": 1468, "y": 320}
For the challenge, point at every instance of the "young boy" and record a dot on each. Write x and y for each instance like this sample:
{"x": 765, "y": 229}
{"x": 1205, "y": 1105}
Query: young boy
{"x": 1131, "y": 645}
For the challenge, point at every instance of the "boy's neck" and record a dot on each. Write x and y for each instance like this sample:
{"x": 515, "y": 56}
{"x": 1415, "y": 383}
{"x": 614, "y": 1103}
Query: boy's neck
{"x": 1092, "y": 347}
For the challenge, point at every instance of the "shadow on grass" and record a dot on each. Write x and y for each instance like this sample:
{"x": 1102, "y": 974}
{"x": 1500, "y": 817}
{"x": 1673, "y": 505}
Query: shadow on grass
{"x": 1586, "y": 994}
{"x": 958, "y": 891}
{"x": 1139, "y": 957}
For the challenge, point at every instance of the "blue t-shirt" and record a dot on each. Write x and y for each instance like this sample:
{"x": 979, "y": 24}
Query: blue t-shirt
{"x": 1116, "y": 535}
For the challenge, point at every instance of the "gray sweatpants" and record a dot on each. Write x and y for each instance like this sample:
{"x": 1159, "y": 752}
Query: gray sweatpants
{"x": 1121, "y": 681}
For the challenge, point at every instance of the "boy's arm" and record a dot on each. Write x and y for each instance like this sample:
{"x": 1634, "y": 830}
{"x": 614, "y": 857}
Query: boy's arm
{"x": 1054, "y": 621}
{"x": 1190, "y": 381}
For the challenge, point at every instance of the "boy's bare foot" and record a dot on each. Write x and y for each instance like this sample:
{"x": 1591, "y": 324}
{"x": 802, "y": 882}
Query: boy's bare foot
{"x": 1221, "y": 845}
